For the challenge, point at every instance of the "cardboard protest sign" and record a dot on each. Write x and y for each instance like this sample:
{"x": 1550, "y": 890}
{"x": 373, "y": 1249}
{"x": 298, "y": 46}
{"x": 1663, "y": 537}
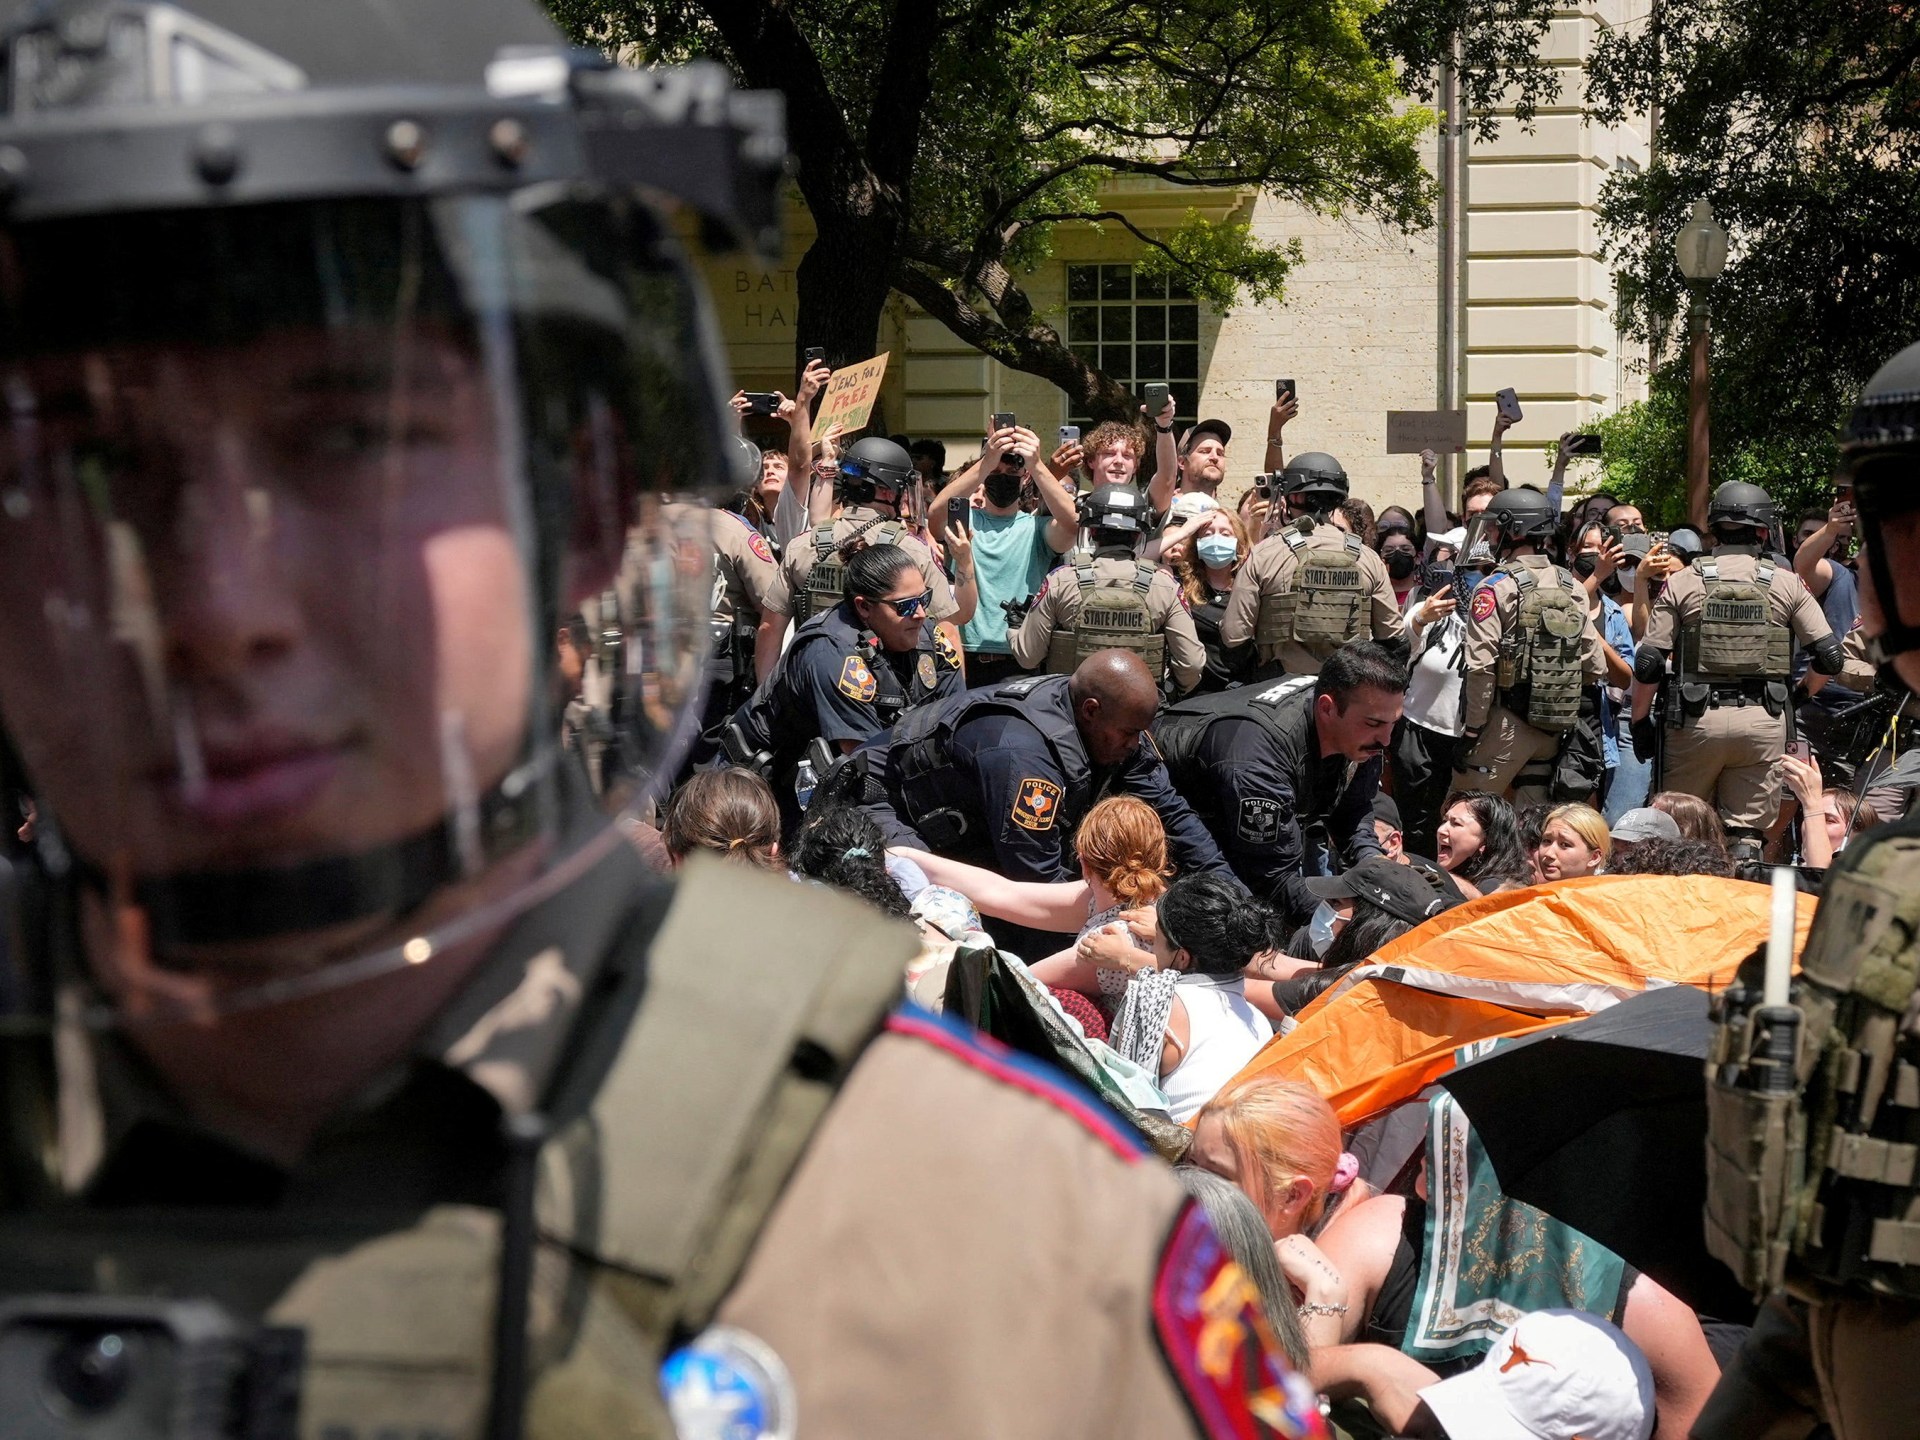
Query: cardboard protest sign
{"x": 849, "y": 396}
{"x": 1411, "y": 431}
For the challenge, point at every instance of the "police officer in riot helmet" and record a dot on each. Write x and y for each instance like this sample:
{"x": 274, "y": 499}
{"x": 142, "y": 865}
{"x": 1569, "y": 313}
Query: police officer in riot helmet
{"x": 1108, "y": 598}
{"x": 1532, "y": 656}
{"x": 1809, "y": 1194}
{"x": 349, "y": 350}
{"x": 1310, "y": 586}
{"x": 875, "y": 474}
{"x": 850, "y": 673}
{"x": 1728, "y": 622}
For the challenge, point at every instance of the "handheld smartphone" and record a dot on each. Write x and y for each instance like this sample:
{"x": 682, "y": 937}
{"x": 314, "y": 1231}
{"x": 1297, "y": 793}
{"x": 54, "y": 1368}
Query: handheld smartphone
{"x": 812, "y": 355}
{"x": 1509, "y": 404}
{"x": 960, "y": 514}
{"x": 1801, "y": 750}
{"x": 1584, "y": 445}
{"x": 1284, "y": 388}
{"x": 1069, "y": 434}
{"x": 1439, "y": 577}
{"x": 1156, "y": 399}
{"x": 1002, "y": 420}
{"x": 762, "y": 402}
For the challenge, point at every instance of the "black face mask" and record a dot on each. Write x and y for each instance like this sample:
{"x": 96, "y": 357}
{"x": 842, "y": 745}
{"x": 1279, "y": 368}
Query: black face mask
{"x": 1400, "y": 563}
{"x": 1002, "y": 488}
{"x": 1585, "y": 563}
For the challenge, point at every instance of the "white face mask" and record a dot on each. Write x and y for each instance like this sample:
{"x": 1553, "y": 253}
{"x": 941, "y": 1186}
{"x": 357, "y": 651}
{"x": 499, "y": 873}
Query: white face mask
{"x": 1217, "y": 550}
{"x": 1322, "y": 927}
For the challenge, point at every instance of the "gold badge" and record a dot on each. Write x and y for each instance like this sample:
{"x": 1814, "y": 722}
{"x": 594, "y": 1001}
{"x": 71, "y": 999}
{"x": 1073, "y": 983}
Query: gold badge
{"x": 856, "y": 680}
{"x": 928, "y": 675}
{"x": 1036, "y": 804}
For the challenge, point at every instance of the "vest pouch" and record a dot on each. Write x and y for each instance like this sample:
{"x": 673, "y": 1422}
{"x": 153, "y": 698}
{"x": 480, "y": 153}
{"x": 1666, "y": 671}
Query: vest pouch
{"x": 1693, "y": 699}
{"x": 1774, "y": 696}
{"x": 1755, "y": 1148}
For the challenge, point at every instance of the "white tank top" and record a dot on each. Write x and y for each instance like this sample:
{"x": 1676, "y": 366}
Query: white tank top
{"x": 1223, "y": 1032}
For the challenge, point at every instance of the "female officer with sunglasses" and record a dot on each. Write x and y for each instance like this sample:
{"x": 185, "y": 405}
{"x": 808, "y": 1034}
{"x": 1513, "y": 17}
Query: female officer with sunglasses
{"x": 850, "y": 673}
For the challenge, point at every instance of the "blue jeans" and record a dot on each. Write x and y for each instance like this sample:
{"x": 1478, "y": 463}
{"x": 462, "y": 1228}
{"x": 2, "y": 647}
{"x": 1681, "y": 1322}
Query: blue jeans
{"x": 1632, "y": 778}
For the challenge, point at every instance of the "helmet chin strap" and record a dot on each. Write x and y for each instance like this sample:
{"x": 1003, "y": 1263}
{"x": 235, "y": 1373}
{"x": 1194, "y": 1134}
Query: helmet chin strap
{"x": 237, "y": 907}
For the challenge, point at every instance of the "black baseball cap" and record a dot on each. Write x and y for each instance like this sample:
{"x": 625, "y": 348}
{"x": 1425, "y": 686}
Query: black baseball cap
{"x": 1385, "y": 809}
{"x": 1210, "y": 427}
{"x": 1402, "y": 891}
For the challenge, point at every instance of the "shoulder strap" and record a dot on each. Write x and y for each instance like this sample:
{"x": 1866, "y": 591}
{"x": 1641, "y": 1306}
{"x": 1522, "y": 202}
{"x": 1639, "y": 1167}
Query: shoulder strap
{"x": 1352, "y": 543}
{"x": 1763, "y": 572}
{"x": 1083, "y": 574}
{"x": 1709, "y": 569}
{"x": 754, "y": 1012}
{"x": 1143, "y": 576}
{"x": 1522, "y": 577}
{"x": 1296, "y": 542}
{"x": 1565, "y": 577}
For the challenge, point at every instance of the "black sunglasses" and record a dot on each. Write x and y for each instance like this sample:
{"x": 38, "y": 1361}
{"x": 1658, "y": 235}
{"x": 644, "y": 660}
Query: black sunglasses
{"x": 908, "y": 608}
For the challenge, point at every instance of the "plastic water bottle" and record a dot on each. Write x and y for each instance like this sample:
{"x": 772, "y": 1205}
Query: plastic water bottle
{"x": 804, "y": 781}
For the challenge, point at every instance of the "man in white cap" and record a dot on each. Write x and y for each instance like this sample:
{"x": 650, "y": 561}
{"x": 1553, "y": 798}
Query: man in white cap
{"x": 1554, "y": 1375}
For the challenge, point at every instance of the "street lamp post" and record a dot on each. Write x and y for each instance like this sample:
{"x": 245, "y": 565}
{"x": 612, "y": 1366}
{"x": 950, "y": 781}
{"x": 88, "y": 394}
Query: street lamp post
{"x": 1701, "y": 249}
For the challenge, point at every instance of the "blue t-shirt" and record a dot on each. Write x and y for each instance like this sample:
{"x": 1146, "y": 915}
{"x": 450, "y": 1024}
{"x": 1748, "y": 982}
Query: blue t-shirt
{"x": 1615, "y": 630}
{"x": 1011, "y": 559}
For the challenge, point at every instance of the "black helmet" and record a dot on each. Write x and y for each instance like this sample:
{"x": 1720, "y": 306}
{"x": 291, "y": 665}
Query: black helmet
{"x": 1736, "y": 505}
{"x": 875, "y": 468}
{"x": 319, "y": 321}
{"x": 1521, "y": 514}
{"x": 1114, "y": 507}
{"x": 1317, "y": 478}
{"x": 1880, "y": 458}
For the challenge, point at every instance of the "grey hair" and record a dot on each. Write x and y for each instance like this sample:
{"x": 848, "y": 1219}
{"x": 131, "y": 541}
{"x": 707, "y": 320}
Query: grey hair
{"x": 1238, "y": 1223}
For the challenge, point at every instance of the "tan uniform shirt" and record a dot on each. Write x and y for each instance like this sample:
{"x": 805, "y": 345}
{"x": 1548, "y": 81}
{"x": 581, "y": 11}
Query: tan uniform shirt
{"x": 1270, "y": 571}
{"x": 1493, "y": 612}
{"x": 790, "y": 596}
{"x": 1058, "y": 608}
{"x": 748, "y": 575}
{"x": 1680, "y": 603}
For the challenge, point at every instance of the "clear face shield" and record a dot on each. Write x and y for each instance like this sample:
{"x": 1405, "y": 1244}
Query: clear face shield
{"x": 301, "y": 503}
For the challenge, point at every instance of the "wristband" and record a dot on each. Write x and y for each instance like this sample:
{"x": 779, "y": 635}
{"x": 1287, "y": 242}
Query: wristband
{"x": 1163, "y": 429}
{"x": 1320, "y": 1309}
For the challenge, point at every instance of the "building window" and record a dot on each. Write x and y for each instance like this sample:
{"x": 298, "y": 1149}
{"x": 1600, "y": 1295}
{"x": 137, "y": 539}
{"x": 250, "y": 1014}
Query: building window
{"x": 1136, "y": 329}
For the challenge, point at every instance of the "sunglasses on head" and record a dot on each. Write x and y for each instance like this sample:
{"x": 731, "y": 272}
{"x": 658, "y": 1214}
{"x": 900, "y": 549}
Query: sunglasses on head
{"x": 908, "y": 608}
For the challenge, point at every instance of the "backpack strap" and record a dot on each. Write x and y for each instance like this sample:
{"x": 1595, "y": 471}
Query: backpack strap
{"x": 760, "y": 995}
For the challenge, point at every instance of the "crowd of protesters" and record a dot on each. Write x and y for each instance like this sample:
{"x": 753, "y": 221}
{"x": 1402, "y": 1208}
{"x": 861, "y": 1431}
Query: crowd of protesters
{"x": 1183, "y": 924}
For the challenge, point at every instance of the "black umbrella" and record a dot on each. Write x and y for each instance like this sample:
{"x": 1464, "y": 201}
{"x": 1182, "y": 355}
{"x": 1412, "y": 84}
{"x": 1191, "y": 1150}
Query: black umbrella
{"x": 1602, "y": 1123}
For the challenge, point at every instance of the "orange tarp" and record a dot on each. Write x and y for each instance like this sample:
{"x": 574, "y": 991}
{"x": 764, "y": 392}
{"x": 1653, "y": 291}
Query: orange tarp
{"x": 1512, "y": 963}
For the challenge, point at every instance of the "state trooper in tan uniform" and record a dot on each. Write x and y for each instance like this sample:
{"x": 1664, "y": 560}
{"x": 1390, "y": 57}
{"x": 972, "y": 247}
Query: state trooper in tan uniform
{"x": 358, "y": 1080}
{"x": 1108, "y": 598}
{"x": 1531, "y": 653}
{"x": 874, "y": 475}
{"x": 1310, "y": 587}
{"x": 1729, "y": 621}
{"x": 1812, "y": 1196}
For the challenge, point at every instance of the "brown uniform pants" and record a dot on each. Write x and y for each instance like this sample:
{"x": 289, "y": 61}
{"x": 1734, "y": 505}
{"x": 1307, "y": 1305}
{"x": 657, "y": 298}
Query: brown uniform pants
{"x": 1730, "y": 757}
{"x": 1866, "y": 1354}
{"x": 1508, "y": 745}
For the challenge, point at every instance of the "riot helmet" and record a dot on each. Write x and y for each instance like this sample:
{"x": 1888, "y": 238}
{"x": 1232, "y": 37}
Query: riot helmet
{"x": 349, "y": 352}
{"x": 874, "y": 469}
{"x": 1738, "y": 509}
{"x": 1316, "y": 479}
{"x": 1880, "y": 459}
{"x": 1516, "y": 516}
{"x": 1112, "y": 515}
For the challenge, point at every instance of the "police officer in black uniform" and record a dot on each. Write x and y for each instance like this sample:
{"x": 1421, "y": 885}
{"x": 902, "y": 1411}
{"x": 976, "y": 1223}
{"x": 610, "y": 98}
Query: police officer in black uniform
{"x": 850, "y": 673}
{"x": 1002, "y": 776}
{"x": 1284, "y": 773}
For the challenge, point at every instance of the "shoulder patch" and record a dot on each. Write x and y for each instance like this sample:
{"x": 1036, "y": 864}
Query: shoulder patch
{"x": 1036, "y": 804}
{"x": 1484, "y": 602}
{"x": 1206, "y": 1313}
{"x": 924, "y": 667}
{"x": 1040, "y": 1080}
{"x": 757, "y": 543}
{"x": 1260, "y": 819}
{"x": 945, "y": 648}
{"x": 856, "y": 680}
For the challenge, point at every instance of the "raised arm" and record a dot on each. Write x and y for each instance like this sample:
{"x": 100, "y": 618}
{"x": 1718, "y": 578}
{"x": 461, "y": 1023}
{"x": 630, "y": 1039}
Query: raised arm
{"x": 1435, "y": 508}
{"x": 1284, "y": 409}
{"x": 1166, "y": 458}
{"x": 1064, "y": 526}
{"x": 1496, "y": 460}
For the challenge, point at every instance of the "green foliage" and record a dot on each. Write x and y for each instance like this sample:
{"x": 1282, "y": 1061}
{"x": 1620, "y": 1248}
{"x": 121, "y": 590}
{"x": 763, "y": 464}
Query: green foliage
{"x": 1802, "y": 126}
{"x": 1643, "y": 453}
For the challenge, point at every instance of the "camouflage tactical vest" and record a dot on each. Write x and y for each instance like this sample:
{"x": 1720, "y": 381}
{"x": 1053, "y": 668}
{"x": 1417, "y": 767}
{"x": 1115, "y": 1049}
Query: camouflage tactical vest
{"x": 1325, "y": 606}
{"x": 1735, "y": 637}
{"x": 1813, "y": 1182}
{"x": 1539, "y": 669}
{"x": 1114, "y": 615}
{"x": 827, "y": 578}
